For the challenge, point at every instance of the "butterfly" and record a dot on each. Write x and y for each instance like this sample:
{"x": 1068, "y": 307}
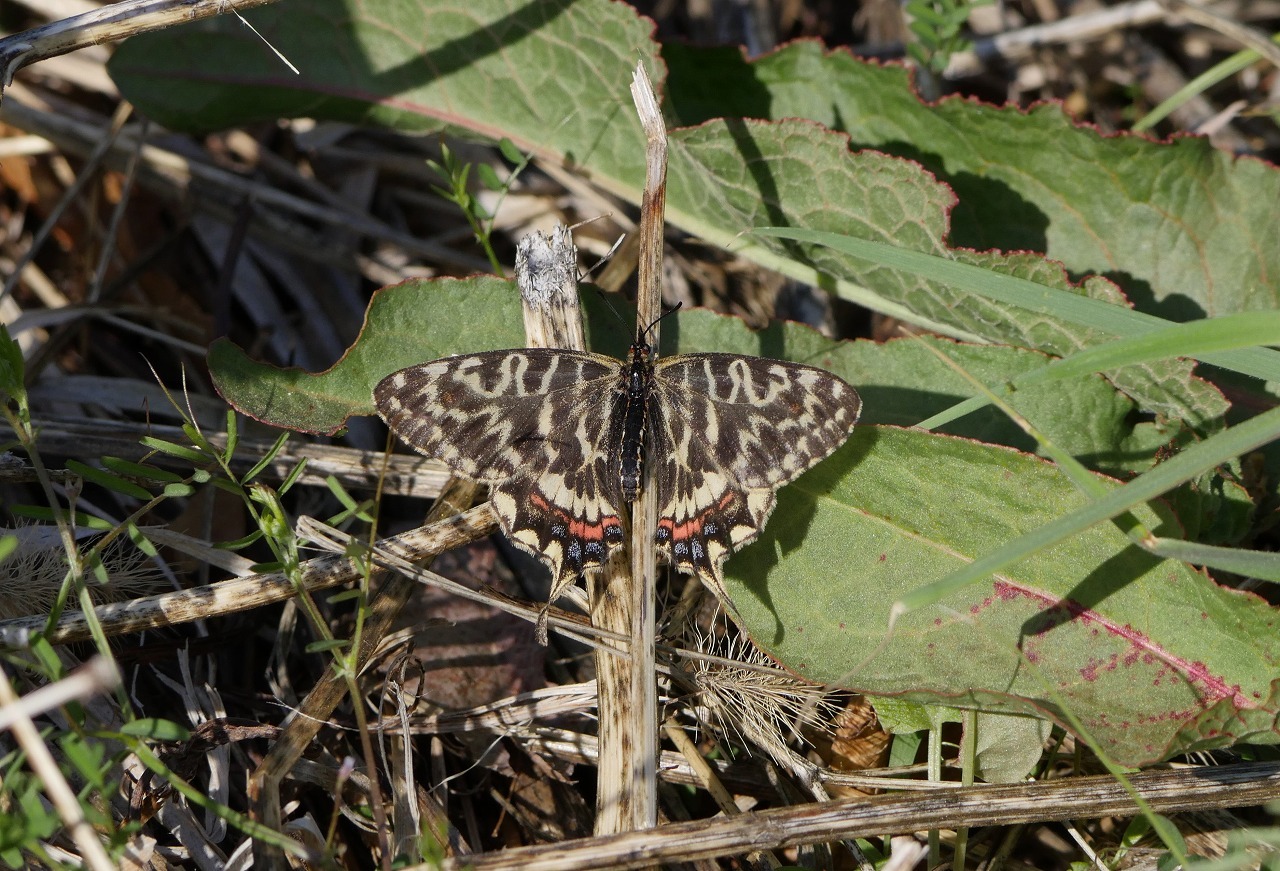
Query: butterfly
{"x": 562, "y": 437}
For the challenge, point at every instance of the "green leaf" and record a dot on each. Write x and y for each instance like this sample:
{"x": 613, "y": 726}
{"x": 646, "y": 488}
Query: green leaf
{"x": 905, "y": 748}
{"x": 12, "y": 369}
{"x": 1205, "y": 339}
{"x": 173, "y": 449}
{"x": 1009, "y": 747}
{"x": 140, "y": 541}
{"x": 927, "y": 13}
{"x": 925, "y": 32}
{"x": 48, "y": 658}
{"x": 29, "y": 818}
{"x": 406, "y": 324}
{"x": 1189, "y": 463}
{"x": 326, "y": 645}
{"x": 44, "y": 513}
{"x": 488, "y": 177}
{"x": 156, "y": 730}
{"x": 93, "y": 562}
{"x": 226, "y": 486}
{"x": 1223, "y": 341}
{"x": 273, "y": 520}
{"x": 139, "y": 470}
{"x": 1186, "y": 228}
{"x": 418, "y": 321}
{"x": 344, "y": 596}
{"x": 1206, "y": 81}
{"x": 574, "y": 61}
{"x": 197, "y": 438}
{"x": 240, "y": 543}
{"x": 901, "y": 716}
{"x": 268, "y": 458}
{"x": 1151, "y": 656}
{"x": 108, "y": 480}
{"x": 340, "y": 493}
{"x": 510, "y": 152}
{"x": 233, "y": 436}
{"x": 294, "y": 474}
{"x": 88, "y": 759}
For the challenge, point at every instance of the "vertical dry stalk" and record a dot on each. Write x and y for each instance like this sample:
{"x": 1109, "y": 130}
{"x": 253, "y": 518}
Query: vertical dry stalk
{"x": 623, "y": 597}
{"x": 546, "y": 270}
{"x": 644, "y": 569}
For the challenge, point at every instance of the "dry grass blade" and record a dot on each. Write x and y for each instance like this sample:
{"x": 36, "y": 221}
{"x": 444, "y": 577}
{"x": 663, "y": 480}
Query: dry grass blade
{"x": 242, "y": 594}
{"x": 1165, "y": 791}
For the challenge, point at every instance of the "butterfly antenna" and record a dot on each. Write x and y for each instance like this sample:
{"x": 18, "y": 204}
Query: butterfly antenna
{"x": 604, "y": 297}
{"x": 642, "y": 333}
{"x": 675, "y": 308}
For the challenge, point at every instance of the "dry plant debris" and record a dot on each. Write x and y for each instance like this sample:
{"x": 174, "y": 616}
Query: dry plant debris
{"x": 129, "y": 244}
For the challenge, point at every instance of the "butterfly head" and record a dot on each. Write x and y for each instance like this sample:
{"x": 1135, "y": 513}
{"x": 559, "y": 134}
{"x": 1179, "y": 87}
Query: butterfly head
{"x": 642, "y": 350}
{"x": 641, "y": 354}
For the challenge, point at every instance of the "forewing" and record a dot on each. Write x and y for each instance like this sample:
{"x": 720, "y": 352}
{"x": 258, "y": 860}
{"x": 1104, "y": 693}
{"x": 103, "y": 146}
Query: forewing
{"x": 530, "y": 424}
{"x": 728, "y": 431}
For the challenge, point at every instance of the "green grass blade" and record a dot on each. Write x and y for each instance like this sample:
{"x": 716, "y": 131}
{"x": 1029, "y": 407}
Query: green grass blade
{"x": 1113, "y": 319}
{"x": 1193, "y": 339}
{"x": 1195, "y": 460}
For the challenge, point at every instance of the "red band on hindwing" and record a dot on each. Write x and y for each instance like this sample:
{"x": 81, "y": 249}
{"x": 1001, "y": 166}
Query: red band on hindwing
{"x": 669, "y": 531}
{"x": 607, "y": 528}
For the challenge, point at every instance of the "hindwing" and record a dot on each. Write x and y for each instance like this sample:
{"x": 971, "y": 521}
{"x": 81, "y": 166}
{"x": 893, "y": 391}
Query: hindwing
{"x": 727, "y": 432}
{"x": 533, "y": 425}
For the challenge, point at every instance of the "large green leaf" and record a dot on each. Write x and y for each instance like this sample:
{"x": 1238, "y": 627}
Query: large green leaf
{"x": 405, "y": 324}
{"x": 1152, "y": 657}
{"x": 553, "y": 77}
{"x": 1187, "y": 230}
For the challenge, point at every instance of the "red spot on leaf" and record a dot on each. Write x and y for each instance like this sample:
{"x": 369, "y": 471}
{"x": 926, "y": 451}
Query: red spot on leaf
{"x": 1056, "y": 613}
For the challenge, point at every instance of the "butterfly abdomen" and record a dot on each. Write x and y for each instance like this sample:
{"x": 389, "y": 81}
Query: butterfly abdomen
{"x": 634, "y": 415}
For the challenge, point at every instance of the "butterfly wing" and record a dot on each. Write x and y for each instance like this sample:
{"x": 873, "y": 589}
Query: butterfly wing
{"x": 727, "y": 432}
{"x": 532, "y": 424}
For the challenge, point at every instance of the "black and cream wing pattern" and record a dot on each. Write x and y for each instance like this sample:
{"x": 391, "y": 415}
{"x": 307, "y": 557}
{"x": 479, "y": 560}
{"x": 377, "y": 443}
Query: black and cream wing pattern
{"x": 560, "y": 437}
